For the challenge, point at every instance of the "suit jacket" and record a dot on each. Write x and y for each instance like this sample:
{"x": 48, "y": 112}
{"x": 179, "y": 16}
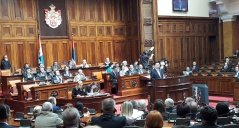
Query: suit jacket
{"x": 237, "y": 54}
{"x": 131, "y": 72}
{"x": 28, "y": 77}
{"x": 154, "y": 74}
{"x": 55, "y": 108}
{"x": 5, "y": 65}
{"x": 4, "y": 125}
{"x": 195, "y": 69}
{"x": 47, "y": 119}
{"x": 55, "y": 80}
{"x": 55, "y": 67}
{"x": 41, "y": 76}
{"x": 24, "y": 70}
{"x": 76, "y": 92}
{"x": 107, "y": 120}
{"x": 38, "y": 69}
{"x": 235, "y": 74}
{"x": 65, "y": 74}
{"x": 226, "y": 69}
{"x": 144, "y": 59}
{"x": 113, "y": 77}
{"x": 141, "y": 71}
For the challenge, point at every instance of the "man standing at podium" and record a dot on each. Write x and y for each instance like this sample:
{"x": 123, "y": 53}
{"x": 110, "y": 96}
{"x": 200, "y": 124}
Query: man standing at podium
{"x": 156, "y": 72}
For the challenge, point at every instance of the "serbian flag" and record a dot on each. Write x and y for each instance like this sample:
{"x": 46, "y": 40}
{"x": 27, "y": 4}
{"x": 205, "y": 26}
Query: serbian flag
{"x": 73, "y": 53}
{"x": 40, "y": 53}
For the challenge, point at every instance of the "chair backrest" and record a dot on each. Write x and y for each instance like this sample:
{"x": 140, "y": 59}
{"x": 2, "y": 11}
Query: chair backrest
{"x": 25, "y": 123}
{"x": 98, "y": 75}
{"x": 140, "y": 123}
{"x": 223, "y": 120}
{"x": 100, "y": 64}
{"x": 182, "y": 121}
{"x": 231, "y": 126}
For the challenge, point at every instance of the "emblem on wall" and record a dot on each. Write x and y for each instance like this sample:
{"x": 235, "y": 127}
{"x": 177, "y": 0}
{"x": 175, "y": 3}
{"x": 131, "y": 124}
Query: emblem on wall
{"x": 53, "y": 18}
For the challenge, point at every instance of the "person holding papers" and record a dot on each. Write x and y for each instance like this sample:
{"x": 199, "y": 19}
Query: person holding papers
{"x": 78, "y": 91}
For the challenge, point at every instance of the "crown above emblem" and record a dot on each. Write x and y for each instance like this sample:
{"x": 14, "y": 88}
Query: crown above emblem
{"x": 52, "y": 7}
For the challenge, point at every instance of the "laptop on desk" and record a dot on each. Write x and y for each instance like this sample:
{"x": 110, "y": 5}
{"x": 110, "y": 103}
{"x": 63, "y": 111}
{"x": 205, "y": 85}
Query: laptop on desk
{"x": 19, "y": 116}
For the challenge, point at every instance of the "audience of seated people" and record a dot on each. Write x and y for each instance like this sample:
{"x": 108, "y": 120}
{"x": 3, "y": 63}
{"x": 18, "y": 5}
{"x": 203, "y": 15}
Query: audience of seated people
{"x": 79, "y": 90}
{"x": 47, "y": 118}
{"x": 108, "y": 118}
{"x": 131, "y": 70}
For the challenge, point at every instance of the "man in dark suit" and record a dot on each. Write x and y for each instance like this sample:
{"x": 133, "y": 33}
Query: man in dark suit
{"x": 108, "y": 119}
{"x": 131, "y": 70}
{"x": 26, "y": 66}
{"x": 57, "y": 78}
{"x": 236, "y": 73}
{"x": 66, "y": 73}
{"x": 4, "y": 116}
{"x": 226, "y": 68}
{"x": 113, "y": 79}
{"x": 5, "y": 63}
{"x": 156, "y": 72}
{"x": 55, "y": 66}
{"x": 209, "y": 117}
{"x": 194, "y": 67}
{"x": 28, "y": 76}
{"x": 236, "y": 53}
{"x": 141, "y": 70}
{"x": 42, "y": 75}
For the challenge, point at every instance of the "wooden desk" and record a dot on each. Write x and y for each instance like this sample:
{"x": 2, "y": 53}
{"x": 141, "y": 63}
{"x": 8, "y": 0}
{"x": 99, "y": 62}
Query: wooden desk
{"x": 6, "y": 84}
{"x": 90, "y": 102}
{"x": 235, "y": 92}
{"x": 217, "y": 85}
{"x": 176, "y": 88}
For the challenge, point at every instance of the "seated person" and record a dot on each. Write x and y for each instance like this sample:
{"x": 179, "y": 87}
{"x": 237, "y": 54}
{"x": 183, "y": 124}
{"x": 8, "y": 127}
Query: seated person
{"x": 154, "y": 120}
{"x": 5, "y": 64}
{"x": 110, "y": 68}
{"x": 123, "y": 71}
{"x": 194, "y": 68}
{"x": 169, "y": 106}
{"x": 193, "y": 109}
{"x": 209, "y": 117}
{"x": 106, "y": 63}
{"x": 36, "y": 111}
{"x": 141, "y": 70}
{"x": 52, "y": 100}
{"x": 127, "y": 111}
{"x": 108, "y": 119}
{"x": 187, "y": 72}
{"x": 226, "y": 68}
{"x": 52, "y": 73}
{"x": 38, "y": 69}
{"x": 57, "y": 78}
{"x": 42, "y": 75}
{"x": 117, "y": 66}
{"x": 80, "y": 107}
{"x": 113, "y": 80}
{"x": 4, "y": 116}
{"x": 67, "y": 73}
{"x": 131, "y": 70}
{"x": 159, "y": 106}
{"x": 26, "y": 66}
{"x": 84, "y": 64}
{"x": 71, "y": 118}
{"x": 142, "y": 107}
{"x": 94, "y": 87}
{"x": 236, "y": 73}
{"x": 236, "y": 53}
{"x": 55, "y": 66}
{"x": 47, "y": 118}
{"x": 136, "y": 66}
{"x": 80, "y": 76}
{"x": 136, "y": 113}
{"x": 222, "y": 109}
{"x": 28, "y": 76}
{"x": 71, "y": 64}
{"x": 183, "y": 110}
{"x": 124, "y": 64}
{"x": 79, "y": 90}
{"x": 229, "y": 63}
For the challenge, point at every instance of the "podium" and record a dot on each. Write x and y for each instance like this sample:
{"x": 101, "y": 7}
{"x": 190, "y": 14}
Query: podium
{"x": 176, "y": 88}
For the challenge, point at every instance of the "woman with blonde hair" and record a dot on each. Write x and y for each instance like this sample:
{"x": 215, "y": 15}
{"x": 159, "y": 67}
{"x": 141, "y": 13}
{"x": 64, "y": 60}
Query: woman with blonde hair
{"x": 127, "y": 111}
{"x": 154, "y": 120}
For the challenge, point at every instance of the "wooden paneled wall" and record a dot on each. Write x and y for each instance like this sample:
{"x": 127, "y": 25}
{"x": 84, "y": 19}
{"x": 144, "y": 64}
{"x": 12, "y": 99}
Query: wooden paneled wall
{"x": 101, "y": 28}
{"x": 184, "y": 39}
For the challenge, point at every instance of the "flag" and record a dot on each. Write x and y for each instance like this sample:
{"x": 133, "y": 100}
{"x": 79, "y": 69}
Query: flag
{"x": 40, "y": 53}
{"x": 73, "y": 53}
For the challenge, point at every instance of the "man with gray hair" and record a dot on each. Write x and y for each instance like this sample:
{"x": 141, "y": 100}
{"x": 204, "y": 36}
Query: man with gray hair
{"x": 71, "y": 117}
{"x": 52, "y": 100}
{"x": 47, "y": 118}
{"x": 108, "y": 119}
{"x": 193, "y": 109}
{"x": 169, "y": 106}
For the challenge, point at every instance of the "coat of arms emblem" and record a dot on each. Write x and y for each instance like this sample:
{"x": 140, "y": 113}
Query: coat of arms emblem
{"x": 52, "y": 17}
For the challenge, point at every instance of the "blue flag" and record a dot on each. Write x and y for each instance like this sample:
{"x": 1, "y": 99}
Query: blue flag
{"x": 73, "y": 53}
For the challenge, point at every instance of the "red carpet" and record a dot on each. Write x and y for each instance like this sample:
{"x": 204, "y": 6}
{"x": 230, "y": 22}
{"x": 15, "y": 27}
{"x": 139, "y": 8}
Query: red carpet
{"x": 220, "y": 98}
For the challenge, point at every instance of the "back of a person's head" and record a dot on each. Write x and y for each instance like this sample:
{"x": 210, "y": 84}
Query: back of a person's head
{"x": 4, "y": 112}
{"x": 154, "y": 120}
{"x": 71, "y": 117}
{"x": 67, "y": 105}
{"x": 37, "y": 110}
{"x": 208, "y": 114}
{"x": 52, "y": 100}
{"x": 189, "y": 99}
{"x": 79, "y": 106}
{"x": 182, "y": 110}
{"x": 193, "y": 106}
{"x": 127, "y": 109}
{"x": 169, "y": 103}
{"x": 108, "y": 105}
{"x": 47, "y": 106}
{"x": 142, "y": 105}
{"x": 222, "y": 109}
{"x": 135, "y": 104}
{"x": 158, "y": 105}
